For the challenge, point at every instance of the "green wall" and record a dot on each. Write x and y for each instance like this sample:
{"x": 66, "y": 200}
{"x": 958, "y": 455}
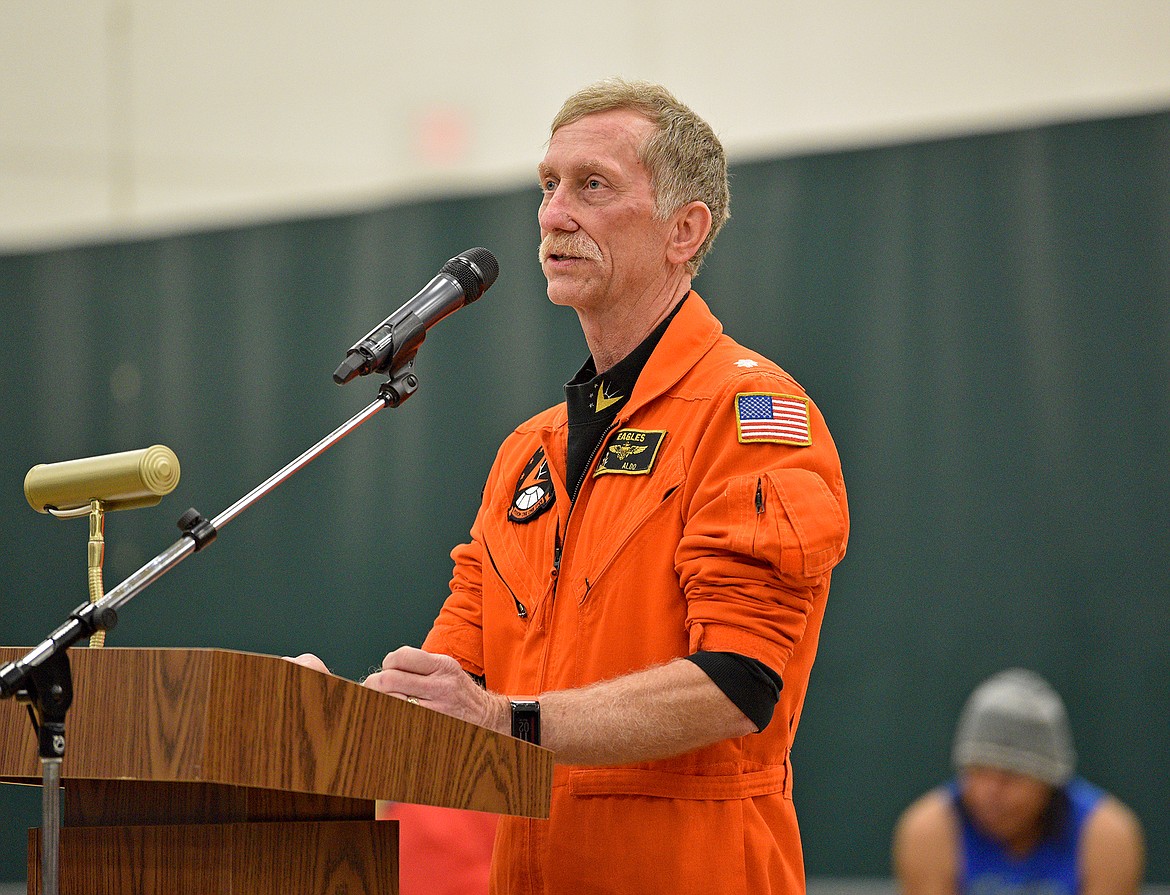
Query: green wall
{"x": 985, "y": 322}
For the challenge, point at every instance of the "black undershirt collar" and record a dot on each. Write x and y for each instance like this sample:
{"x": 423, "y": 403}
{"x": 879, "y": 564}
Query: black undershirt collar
{"x": 594, "y": 400}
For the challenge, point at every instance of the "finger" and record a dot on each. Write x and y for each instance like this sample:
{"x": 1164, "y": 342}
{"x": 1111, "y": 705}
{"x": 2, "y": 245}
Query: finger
{"x": 411, "y": 659}
{"x": 394, "y": 682}
{"x": 373, "y": 680}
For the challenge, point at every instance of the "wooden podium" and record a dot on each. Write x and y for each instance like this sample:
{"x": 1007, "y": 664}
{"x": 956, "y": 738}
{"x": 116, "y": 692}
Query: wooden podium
{"x": 213, "y": 771}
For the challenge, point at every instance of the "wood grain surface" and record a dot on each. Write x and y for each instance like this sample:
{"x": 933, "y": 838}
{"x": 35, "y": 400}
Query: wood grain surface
{"x": 330, "y": 858}
{"x": 213, "y": 722}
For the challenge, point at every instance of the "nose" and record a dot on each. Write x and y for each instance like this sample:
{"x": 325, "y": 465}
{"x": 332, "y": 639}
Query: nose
{"x": 555, "y": 212}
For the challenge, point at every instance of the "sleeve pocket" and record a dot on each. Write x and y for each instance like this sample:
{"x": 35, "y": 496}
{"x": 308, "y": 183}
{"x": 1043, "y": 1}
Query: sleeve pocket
{"x": 804, "y": 523}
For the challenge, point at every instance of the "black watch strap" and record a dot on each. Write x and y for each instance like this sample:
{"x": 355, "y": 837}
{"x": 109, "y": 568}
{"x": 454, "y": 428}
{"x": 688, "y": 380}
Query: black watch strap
{"x": 526, "y": 720}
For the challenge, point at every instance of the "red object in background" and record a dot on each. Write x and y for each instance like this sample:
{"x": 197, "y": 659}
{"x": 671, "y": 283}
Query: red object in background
{"x": 441, "y": 851}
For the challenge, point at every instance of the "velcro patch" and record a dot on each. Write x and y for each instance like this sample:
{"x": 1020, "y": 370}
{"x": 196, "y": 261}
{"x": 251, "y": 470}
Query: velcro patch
{"x": 534, "y": 491}
{"x": 630, "y": 452}
{"x": 761, "y": 416}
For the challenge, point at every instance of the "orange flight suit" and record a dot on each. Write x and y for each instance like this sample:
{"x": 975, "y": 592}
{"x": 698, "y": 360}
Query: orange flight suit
{"x": 711, "y": 538}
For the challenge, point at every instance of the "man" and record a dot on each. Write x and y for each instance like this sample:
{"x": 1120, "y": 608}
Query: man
{"x": 648, "y": 570}
{"x": 1016, "y": 821}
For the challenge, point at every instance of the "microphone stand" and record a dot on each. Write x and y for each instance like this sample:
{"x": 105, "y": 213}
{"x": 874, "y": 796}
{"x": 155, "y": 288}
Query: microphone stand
{"x": 42, "y": 679}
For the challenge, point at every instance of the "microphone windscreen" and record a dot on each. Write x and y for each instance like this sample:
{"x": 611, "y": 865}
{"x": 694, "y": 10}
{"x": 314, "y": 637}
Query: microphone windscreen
{"x": 474, "y": 270}
{"x": 122, "y": 481}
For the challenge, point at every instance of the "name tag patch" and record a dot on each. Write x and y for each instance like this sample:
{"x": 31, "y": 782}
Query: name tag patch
{"x": 630, "y": 452}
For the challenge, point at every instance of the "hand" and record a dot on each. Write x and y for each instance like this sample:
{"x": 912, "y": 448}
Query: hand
{"x": 440, "y": 683}
{"x": 309, "y": 661}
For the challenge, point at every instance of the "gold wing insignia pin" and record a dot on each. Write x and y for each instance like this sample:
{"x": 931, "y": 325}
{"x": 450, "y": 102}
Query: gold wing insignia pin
{"x": 625, "y": 451}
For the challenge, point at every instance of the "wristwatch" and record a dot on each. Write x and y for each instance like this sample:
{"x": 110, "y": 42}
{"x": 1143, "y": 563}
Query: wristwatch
{"x": 526, "y": 720}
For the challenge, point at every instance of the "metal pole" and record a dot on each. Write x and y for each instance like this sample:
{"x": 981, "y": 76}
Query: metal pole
{"x": 50, "y": 824}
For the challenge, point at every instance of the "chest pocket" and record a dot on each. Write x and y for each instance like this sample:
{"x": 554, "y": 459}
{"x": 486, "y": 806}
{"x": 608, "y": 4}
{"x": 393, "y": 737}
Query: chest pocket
{"x": 627, "y": 520}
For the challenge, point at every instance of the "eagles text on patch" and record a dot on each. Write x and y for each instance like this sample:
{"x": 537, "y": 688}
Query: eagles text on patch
{"x": 630, "y": 452}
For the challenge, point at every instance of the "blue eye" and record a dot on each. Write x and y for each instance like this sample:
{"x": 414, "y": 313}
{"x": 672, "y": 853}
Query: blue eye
{"x": 593, "y": 184}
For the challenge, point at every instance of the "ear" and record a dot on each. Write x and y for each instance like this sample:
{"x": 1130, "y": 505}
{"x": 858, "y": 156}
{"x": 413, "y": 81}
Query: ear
{"x": 692, "y": 223}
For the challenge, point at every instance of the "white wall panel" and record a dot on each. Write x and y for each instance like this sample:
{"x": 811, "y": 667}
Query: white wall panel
{"x": 127, "y": 117}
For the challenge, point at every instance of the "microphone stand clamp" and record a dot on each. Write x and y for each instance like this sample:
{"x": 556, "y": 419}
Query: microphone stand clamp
{"x": 401, "y": 385}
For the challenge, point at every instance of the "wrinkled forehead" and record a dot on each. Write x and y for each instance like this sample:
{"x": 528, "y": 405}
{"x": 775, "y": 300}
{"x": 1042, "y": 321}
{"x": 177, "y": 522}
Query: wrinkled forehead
{"x": 611, "y": 140}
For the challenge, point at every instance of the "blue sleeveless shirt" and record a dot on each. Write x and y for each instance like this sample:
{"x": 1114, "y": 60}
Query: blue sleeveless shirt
{"x": 1049, "y": 869}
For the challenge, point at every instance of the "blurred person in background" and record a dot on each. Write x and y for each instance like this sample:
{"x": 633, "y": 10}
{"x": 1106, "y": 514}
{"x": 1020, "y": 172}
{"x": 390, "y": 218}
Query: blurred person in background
{"x": 1016, "y": 820}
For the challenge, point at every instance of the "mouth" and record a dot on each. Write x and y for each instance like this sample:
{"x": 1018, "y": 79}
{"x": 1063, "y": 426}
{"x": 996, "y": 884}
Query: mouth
{"x": 562, "y": 262}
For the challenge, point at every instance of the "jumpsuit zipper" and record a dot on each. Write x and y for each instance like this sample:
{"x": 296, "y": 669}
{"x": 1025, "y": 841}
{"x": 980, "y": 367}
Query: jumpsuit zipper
{"x": 759, "y": 511}
{"x": 558, "y": 550}
{"x": 559, "y": 547}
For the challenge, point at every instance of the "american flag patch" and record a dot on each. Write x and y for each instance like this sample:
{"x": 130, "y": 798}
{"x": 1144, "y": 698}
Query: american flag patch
{"x": 764, "y": 417}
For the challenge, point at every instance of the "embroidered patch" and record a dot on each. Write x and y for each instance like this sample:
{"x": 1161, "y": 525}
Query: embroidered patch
{"x": 630, "y": 452}
{"x": 534, "y": 490}
{"x": 783, "y": 419}
{"x": 605, "y": 401}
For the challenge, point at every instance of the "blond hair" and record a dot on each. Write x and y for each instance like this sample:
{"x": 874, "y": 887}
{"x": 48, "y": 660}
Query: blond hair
{"x": 685, "y": 159}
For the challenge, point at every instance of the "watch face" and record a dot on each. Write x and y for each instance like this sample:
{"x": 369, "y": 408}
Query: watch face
{"x": 526, "y": 720}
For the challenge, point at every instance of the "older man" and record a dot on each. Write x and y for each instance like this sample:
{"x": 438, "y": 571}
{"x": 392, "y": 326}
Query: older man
{"x": 646, "y": 576}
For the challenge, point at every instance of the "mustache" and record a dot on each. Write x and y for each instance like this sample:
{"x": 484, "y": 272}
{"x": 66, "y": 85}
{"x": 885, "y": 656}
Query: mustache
{"x": 575, "y": 245}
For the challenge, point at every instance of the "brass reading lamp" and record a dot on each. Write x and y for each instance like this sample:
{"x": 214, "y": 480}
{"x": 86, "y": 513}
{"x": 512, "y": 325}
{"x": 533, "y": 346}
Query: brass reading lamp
{"x": 94, "y": 486}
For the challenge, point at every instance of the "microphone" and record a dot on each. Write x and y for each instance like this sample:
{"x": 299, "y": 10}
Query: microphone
{"x": 124, "y": 481}
{"x": 396, "y": 340}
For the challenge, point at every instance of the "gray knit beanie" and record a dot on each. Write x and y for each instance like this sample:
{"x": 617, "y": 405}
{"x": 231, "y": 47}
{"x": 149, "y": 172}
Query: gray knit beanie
{"x": 1015, "y": 721}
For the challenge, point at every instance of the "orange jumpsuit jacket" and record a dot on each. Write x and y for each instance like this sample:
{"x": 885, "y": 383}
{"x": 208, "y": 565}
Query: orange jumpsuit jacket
{"x": 712, "y": 537}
